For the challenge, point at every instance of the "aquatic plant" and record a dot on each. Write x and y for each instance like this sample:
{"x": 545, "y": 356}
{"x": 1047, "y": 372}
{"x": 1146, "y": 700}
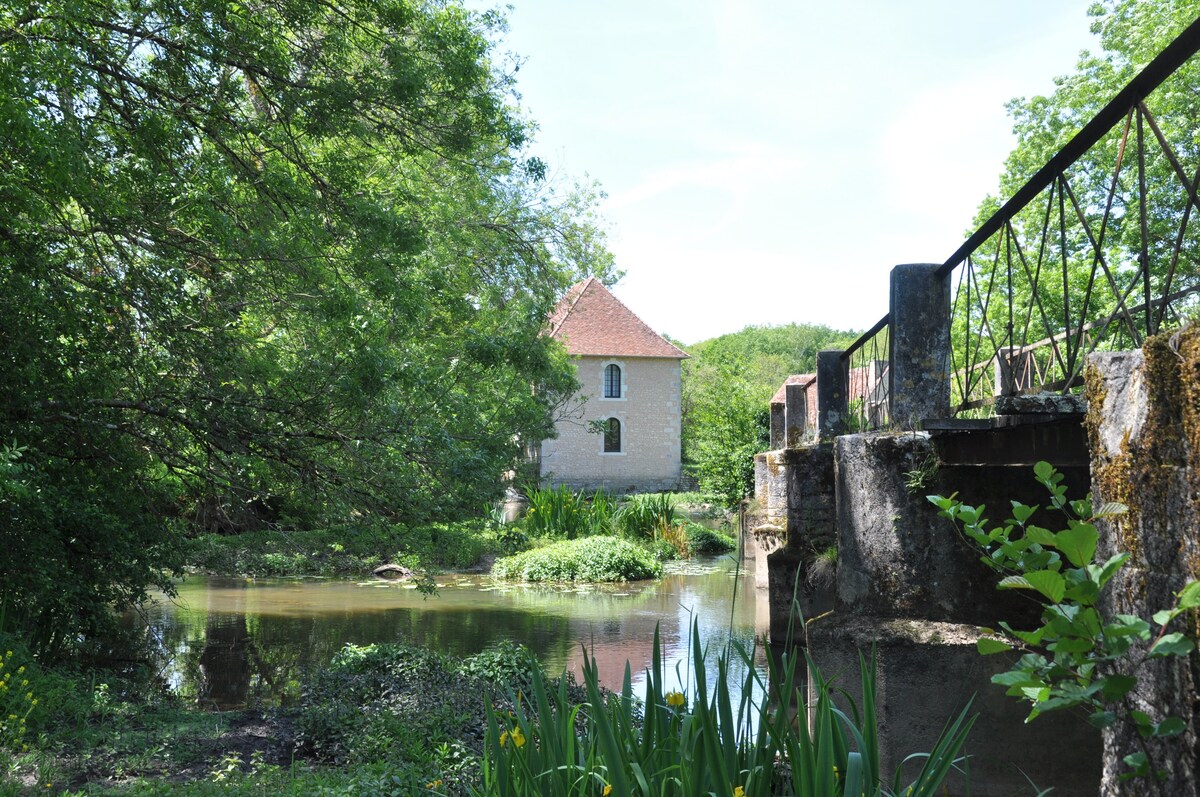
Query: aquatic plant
{"x": 642, "y": 516}
{"x": 593, "y": 559}
{"x": 675, "y": 745}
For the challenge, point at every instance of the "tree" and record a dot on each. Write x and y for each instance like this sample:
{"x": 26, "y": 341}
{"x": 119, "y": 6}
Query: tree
{"x": 1061, "y": 273}
{"x": 279, "y": 259}
{"x": 727, "y": 385}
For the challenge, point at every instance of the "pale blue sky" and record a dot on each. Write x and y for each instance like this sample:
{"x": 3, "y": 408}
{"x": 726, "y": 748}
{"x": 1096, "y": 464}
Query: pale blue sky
{"x": 768, "y": 162}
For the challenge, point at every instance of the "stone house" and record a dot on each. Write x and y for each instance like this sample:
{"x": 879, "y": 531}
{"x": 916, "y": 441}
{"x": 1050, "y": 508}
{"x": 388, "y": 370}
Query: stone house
{"x": 622, "y": 431}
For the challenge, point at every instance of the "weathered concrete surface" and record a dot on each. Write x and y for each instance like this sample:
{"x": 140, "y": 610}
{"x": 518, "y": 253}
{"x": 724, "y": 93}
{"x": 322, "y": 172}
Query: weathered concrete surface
{"x": 919, "y": 327}
{"x": 796, "y": 572}
{"x": 1041, "y": 404}
{"x": 778, "y": 426}
{"x": 1144, "y": 426}
{"x": 926, "y": 673}
{"x": 770, "y": 487}
{"x": 795, "y": 414}
{"x": 833, "y": 382}
{"x": 896, "y": 557}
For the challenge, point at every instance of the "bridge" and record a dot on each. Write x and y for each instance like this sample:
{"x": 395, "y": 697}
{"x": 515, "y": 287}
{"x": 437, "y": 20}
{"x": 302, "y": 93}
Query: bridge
{"x": 1059, "y": 331}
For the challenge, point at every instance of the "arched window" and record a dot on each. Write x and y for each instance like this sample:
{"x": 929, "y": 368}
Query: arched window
{"x": 612, "y": 436}
{"x": 612, "y": 381}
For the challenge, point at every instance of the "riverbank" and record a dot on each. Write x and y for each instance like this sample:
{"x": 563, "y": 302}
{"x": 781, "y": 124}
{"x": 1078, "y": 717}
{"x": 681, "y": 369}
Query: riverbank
{"x": 379, "y": 719}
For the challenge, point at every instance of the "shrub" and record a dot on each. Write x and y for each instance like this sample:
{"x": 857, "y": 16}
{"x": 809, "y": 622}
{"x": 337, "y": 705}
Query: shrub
{"x": 592, "y": 559}
{"x": 703, "y": 541}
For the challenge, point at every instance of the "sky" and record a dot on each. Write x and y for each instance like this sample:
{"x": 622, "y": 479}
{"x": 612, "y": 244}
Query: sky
{"x": 769, "y": 162}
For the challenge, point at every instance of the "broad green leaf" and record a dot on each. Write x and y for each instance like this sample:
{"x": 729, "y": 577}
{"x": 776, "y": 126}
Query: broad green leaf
{"x": 988, "y": 646}
{"x": 1172, "y": 645}
{"x": 1022, "y": 512}
{"x": 1049, "y": 583}
{"x": 1039, "y": 535}
{"x": 1163, "y": 617}
{"x": 1171, "y": 726}
{"x": 1102, "y": 719}
{"x": 1115, "y": 687}
{"x": 1078, "y": 543}
{"x": 1189, "y": 596}
{"x": 1110, "y": 509}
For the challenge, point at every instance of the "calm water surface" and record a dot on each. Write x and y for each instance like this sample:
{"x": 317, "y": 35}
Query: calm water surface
{"x": 232, "y": 642}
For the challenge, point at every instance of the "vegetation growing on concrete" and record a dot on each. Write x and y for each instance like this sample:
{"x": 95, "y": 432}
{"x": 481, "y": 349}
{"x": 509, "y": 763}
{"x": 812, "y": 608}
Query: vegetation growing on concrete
{"x": 1080, "y": 657}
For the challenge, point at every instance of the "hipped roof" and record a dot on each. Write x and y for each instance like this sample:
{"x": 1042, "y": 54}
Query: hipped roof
{"x": 590, "y": 321}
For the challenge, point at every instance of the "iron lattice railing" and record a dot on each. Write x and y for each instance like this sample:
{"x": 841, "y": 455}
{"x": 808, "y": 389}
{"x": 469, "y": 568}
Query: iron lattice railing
{"x": 1095, "y": 252}
{"x": 868, "y": 389}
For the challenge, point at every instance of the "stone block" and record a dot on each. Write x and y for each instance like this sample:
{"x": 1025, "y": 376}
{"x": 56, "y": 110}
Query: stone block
{"x": 896, "y": 556}
{"x": 926, "y": 672}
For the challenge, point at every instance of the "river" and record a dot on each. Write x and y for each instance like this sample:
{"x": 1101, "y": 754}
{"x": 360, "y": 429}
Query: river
{"x": 231, "y": 642}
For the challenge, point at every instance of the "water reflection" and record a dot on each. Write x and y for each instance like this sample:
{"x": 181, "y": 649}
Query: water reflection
{"x": 232, "y": 642}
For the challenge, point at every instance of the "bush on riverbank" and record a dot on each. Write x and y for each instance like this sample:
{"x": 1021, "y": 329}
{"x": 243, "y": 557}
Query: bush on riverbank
{"x": 593, "y": 559}
{"x": 352, "y": 550}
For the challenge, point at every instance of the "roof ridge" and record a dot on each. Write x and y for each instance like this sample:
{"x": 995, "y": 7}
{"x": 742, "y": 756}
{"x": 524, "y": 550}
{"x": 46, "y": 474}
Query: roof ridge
{"x": 582, "y": 285}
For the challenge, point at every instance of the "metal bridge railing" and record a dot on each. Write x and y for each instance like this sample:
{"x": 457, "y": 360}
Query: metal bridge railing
{"x": 1095, "y": 252}
{"x": 868, "y": 389}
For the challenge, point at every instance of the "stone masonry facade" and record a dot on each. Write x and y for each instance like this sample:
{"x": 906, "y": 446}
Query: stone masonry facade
{"x": 649, "y": 413}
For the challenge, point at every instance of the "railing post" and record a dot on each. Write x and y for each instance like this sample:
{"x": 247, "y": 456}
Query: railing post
{"x": 833, "y": 387}
{"x": 778, "y": 427}
{"x": 796, "y": 414}
{"x": 919, "y": 377}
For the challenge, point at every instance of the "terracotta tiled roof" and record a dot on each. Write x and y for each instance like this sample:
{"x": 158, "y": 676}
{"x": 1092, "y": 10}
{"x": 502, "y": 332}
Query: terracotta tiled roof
{"x": 780, "y": 396}
{"x": 591, "y": 321}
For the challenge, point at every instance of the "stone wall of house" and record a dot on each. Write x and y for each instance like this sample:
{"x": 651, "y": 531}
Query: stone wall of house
{"x": 648, "y": 410}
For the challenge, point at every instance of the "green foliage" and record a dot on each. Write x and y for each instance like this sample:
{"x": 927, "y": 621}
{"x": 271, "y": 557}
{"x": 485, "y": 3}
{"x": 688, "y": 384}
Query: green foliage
{"x": 727, "y": 385}
{"x": 703, "y": 541}
{"x": 1070, "y": 282}
{"x": 642, "y": 516}
{"x": 1077, "y": 657}
{"x": 282, "y": 264}
{"x": 350, "y": 550}
{"x": 557, "y": 512}
{"x": 592, "y": 559}
{"x": 676, "y": 745}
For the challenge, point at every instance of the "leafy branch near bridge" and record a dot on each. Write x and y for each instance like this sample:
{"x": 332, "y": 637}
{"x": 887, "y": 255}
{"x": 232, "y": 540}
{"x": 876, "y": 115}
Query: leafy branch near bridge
{"x": 280, "y": 262}
{"x": 1078, "y": 658}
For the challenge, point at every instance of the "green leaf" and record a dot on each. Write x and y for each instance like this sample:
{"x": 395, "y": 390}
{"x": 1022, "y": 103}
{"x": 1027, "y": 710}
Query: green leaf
{"x": 1189, "y": 596}
{"x": 1022, "y": 512}
{"x": 1171, "y": 726}
{"x": 1102, "y": 719}
{"x": 1165, "y": 616}
{"x": 1078, "y": 543}
{"x": 1043, "y": 470}
{"x": 988, "y": 646}
{"x": 1039, "y": 535}
{"x": 1110, "y": 509}
{"x": 1172, "y": 645}
{"x": 1115, "y": 687}
{"x": 1049, "y": 583}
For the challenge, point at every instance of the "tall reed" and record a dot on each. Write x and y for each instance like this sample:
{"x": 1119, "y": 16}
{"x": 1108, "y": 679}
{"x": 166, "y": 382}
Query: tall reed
{"x": 673, "y": 744}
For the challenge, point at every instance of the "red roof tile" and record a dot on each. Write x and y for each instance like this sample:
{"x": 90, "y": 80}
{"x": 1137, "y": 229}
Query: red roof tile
{"x": 591, "y": 321}
{"x": 780, "y": 396}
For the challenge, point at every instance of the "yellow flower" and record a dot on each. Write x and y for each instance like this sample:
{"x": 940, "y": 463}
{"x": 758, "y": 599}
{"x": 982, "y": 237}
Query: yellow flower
{"x": 738, "y": 791}
{"x": 503, "y": 738}
{"x": 675, "y": 699}
{"x": 434, "y": 784}
{"x": 607, "y": 789}
{"x": 518, "y": 737}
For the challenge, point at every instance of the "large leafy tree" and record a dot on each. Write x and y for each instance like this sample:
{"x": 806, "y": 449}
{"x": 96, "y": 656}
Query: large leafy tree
{"x": 283, "y": 256}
